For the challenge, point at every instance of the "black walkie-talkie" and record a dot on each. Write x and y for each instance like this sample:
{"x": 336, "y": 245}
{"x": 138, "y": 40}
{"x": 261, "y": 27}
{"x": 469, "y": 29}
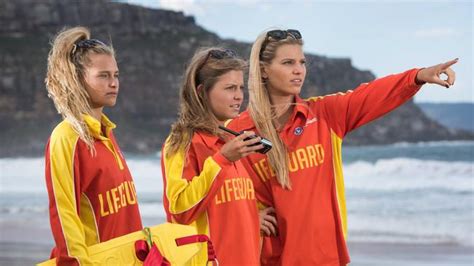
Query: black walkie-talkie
{"x": 267, "y": 145}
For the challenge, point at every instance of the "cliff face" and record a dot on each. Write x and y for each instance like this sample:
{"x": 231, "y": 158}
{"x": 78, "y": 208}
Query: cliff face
{"x": 152, "y": 48}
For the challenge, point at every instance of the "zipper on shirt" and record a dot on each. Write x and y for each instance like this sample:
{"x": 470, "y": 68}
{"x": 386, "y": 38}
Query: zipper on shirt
{"x": 111, "y": 147}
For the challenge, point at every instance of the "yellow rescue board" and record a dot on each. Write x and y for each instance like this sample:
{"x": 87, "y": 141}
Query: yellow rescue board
{"x": 121, "y": 250}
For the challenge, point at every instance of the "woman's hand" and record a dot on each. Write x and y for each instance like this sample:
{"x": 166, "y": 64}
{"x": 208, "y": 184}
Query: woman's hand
{"x": 432, "y": 74}
{"x": 268, "y": 222}
{"x": 238, "y": 147}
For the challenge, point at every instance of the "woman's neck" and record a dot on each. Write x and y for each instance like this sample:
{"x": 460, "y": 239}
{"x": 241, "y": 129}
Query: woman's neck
{"x": 283, "y": 107}
{"x": 97, "y": 113}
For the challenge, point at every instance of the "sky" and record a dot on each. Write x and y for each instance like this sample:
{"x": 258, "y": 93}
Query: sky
{"x": 382, "y": 36}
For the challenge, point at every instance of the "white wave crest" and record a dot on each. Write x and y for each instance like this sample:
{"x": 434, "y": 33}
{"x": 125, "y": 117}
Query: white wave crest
{"x": 447, "y": 143}
{"x": 28, "y": 175}
{"x": 414, "y": 229}
{"x": 406, "y": 173}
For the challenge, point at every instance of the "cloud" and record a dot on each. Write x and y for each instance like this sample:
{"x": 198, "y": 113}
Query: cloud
{"x": 187, "y": 6}
{"x": 437, "y": 33}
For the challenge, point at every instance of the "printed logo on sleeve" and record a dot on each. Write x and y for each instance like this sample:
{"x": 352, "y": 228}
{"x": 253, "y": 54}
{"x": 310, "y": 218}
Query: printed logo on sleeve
{"x": 240, "y": 188}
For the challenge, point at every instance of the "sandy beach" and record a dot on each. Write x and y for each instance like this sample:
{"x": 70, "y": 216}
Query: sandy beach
{"x": 29, "y": 242}
{"x": 363, "y": 254}
{"x": 388, "y": 254}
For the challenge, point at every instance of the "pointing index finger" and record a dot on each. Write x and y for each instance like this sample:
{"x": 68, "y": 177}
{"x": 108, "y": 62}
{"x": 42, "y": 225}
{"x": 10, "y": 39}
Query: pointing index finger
{"x": 450, "y": 63}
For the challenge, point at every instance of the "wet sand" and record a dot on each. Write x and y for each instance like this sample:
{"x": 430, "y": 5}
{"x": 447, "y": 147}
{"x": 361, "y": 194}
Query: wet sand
{"x": 27, "y": 244}
{"x": 363, "y": 254}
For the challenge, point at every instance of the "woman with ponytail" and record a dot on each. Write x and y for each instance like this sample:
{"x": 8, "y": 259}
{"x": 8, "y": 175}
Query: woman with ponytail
{"x": 301, "y": 177}
{"x": 92, "y": 197}
{"x": 205, "y": 183}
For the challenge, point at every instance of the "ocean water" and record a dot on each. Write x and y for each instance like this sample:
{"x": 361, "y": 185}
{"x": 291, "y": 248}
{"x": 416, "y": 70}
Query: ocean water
{"x": 404, "y": 193}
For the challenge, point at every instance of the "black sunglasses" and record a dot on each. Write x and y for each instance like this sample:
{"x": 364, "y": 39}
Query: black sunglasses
{"x": 220, "y": 54}
{"x": 216, "y": 54}
{"x": 282, "y": 34}
{"x": 85, "y": 44}
{"x": 278, "y": 35}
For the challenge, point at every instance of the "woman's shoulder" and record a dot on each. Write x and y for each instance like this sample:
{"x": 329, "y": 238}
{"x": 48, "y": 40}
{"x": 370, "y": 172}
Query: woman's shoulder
{"x": 64, "y": 130}
{"x": 242, "y": 122}
{"x": 197, "y": 139}
{"x": 201, "y": 137}
{"x": 63, "y": 133}
{"x": 314, "y": 100}
{"x": 315, "y": 103}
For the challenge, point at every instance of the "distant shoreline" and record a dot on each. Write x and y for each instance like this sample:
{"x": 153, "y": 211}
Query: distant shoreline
{"x": 157, "y": 153}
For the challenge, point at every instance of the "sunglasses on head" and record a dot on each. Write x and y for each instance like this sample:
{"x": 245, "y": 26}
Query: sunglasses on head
{"x": 283, "y": 34}
{"x": 217, "y": 54}
{"x": 220, "y": 54}
{"x": 278, "y": 35}
{"x": 85, "y": 44}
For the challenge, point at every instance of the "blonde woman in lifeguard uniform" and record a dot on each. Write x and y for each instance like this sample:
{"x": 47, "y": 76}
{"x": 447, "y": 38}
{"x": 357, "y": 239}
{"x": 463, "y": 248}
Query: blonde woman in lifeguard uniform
{"x": 92, "y": 196}
{"x": 301, "y": 177}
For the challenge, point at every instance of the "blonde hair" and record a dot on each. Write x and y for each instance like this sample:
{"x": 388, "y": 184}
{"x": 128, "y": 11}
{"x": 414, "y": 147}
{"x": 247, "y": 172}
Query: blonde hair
{"x": 65, "y": 78}
{"x": 260, "y": 106}
{"x": 194, "y": 110}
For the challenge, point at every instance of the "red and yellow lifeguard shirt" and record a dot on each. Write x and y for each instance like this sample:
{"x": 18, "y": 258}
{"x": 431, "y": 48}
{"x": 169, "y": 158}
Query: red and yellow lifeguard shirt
{"x": 92, "y": 199}
{"x": 312, "y": 219}
{"x": 217, "y": 196}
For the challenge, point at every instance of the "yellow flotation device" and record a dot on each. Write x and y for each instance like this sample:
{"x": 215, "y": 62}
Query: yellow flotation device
{"x": 177, "y": 243}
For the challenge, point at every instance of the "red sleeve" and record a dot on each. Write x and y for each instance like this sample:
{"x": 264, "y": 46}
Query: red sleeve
{"x": 189, "y": 189}
{"x": 348, "y": 111}
{"x": 64, "y": 192}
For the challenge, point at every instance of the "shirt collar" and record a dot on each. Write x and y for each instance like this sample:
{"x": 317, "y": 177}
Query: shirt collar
{"x": 209, "y": 139}
{"x": 241, "y": 123}
{"x": 244, "y": 120}
{"x": 301, "y": 107}
{"x": 95, "y": 126}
